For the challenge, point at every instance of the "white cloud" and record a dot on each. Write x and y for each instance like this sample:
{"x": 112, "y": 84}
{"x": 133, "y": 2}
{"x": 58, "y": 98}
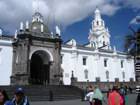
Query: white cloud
{"x": 66, "y": 12}
{"x": 62, "y": 12}
{"x": 109, "y": 9}
{"x": 135, "y": 20}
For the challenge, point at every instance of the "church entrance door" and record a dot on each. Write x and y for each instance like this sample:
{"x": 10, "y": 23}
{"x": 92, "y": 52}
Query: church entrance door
{"x": 40, "y": 68}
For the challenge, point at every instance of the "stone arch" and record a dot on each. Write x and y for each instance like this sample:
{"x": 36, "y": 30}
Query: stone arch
{"x": 42, "y": 49}
{"x": 40, "y": 63}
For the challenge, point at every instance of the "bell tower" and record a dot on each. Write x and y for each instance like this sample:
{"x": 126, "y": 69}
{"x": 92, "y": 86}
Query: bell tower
{"x": 99, "y": 36}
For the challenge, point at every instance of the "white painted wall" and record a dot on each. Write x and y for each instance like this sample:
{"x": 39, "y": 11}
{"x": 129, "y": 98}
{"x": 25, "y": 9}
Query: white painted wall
{"x": 72, "y": 60}
{"x": 6, "y": 55}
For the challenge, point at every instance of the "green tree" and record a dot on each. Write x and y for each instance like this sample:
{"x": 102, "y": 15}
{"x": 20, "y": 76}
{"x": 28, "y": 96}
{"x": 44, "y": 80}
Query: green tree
{"x": 132, "y": 43}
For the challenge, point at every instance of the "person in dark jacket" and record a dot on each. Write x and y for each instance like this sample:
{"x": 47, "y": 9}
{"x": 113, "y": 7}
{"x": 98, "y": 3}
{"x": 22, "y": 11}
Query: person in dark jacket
{"x": 20, "y": 98}
{"x": 122, "y": 92}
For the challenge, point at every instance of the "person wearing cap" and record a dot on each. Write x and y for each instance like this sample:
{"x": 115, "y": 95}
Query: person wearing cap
{"x": 20, "y": 98}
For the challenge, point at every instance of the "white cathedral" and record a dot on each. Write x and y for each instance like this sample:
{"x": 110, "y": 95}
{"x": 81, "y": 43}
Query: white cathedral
{"x": 92, "y": 62}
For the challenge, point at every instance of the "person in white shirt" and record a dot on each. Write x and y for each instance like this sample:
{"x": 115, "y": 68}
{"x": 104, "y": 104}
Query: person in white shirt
{"x": 89, "y": 95}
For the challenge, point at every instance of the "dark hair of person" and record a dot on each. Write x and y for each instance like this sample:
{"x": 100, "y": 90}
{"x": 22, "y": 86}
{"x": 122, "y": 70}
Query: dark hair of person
{"x": 3, "y": 92}
{"x": 115, "y": 88}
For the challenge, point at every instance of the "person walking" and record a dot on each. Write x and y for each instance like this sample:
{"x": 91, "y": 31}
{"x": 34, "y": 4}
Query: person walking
{"x": 20, "y": 98}
{"x": 122, "y": 92}
{"x": 89, "y": 95}
{"x": 109, "y": 91}
{"x": 97, "y": 96}
{"x": 4, "y": 99}
{"x": 114, "y": 97}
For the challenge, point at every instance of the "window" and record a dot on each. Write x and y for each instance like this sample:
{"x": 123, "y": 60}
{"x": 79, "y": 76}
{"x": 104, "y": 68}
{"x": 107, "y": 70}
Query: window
{"x": 116, "y": 79}
{"x": 122, "y": 63}
{"x": 107, "y": 75}
{"x": 103, "y": 43}
{"x": 105, "y": 62}
{"x": 92, "y": 44}
{"x": 86, "y": 74}
{"x": 97, "y": 23}
{"x": 123, "y": 75}
{"x": 97, "y": 79}
{"x": 84, "y": 60}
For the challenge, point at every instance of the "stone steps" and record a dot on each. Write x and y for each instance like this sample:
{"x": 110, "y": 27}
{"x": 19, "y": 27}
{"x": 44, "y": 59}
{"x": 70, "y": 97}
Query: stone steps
{"x": 42, "y": 93}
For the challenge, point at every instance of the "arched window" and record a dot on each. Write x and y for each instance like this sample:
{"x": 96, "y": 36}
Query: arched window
{"x": 103, "y": 43}
{"x": 105, "y": 62}
{"x": 62, "y": 58}
{"x": 84, "y": 60}
{"x": 123, "y": 75}
{"x": 107, "y": 75}
{"x": 97, "y": 23}
{"x": 122, "y": 62}
{"x": 92, "y": 44}
{"x": 86, "y": 74}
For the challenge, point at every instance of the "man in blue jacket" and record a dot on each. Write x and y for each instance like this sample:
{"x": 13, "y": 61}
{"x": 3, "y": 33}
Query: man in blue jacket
{"x": 20, "y": 98}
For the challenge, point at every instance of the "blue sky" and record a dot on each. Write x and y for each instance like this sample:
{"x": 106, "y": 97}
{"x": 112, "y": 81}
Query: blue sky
{"x": 118, "y": 26}
{"x": 73, "y": 16}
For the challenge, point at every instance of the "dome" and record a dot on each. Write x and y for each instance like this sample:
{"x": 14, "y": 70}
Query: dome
{"x": 37, "y": 24}
{"x": 39, "y": 27}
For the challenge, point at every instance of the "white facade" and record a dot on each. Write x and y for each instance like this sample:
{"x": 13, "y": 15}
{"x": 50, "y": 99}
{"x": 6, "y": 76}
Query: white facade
{"x": 6, "y": 54}
{"x": 96, "y": 59}
{"x": 73, "y": 60}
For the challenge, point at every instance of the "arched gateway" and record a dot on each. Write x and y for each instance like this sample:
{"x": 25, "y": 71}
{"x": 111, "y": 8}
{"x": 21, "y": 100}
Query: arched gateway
{"x": 40, "y": 68}
{"x": 36, "y": 55}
